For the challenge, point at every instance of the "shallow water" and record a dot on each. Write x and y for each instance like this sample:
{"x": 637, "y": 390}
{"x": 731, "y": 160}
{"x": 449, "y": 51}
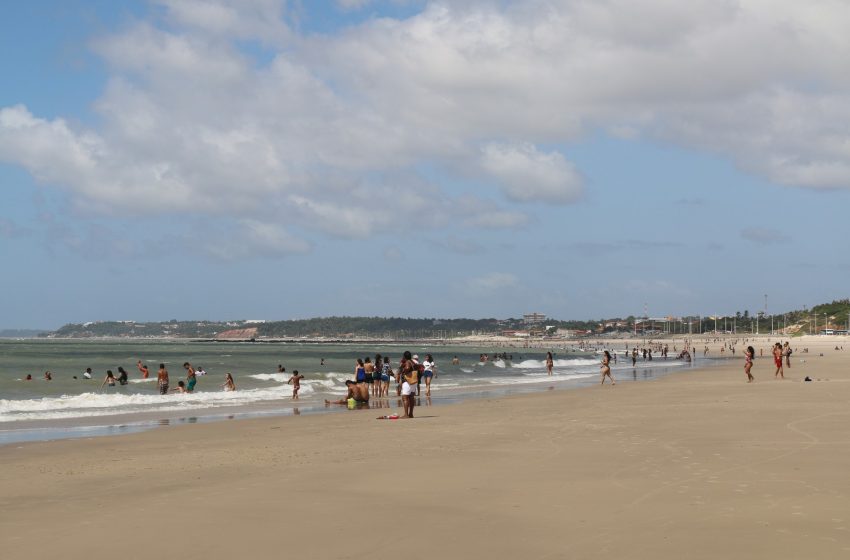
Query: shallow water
{"x": 69, "y": 407}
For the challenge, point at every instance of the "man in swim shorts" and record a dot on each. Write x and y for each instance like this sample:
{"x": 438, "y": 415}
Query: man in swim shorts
{"x": 355, "y": 391}
{"x": 191, "y": 378}
{"x": 162, "y": 379}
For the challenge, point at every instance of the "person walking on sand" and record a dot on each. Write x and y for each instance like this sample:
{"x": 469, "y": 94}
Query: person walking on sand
{"x": 162, "y": 379}
{"x": 430, "y": 372}
{"x": 550, "y": 363}
{"x": 777, "y": 360}
{"x": 606, "y": 368}
{"x": 295, "y": 381}
{"x": 748, "y": 363}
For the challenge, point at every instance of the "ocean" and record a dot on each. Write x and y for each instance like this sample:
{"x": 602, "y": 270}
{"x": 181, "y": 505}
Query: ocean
{"x": 71, "y": 406}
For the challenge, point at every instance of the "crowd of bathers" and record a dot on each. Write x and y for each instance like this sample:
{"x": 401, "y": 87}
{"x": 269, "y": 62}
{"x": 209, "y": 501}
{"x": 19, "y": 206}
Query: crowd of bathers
{"x": 372, "y": 380}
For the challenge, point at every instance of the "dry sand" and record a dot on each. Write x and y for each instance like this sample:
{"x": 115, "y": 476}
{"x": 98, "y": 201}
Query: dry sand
{"x": 699, "y": 464}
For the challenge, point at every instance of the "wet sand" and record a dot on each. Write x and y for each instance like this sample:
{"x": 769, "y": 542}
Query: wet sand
{"x": 698, "y": 464}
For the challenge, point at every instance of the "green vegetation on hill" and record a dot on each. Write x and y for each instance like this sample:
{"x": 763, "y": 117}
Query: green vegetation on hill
{"x": 828, "y": 315}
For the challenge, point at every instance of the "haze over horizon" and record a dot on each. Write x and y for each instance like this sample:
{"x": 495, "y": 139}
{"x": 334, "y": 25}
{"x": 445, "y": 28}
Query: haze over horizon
{"x": 273, "y": 160}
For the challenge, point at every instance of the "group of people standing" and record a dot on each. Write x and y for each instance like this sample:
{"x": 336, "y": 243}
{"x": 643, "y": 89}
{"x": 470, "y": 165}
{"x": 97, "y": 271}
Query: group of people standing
{"x": 372, "y": 379}
{"x": 781, "y": 352}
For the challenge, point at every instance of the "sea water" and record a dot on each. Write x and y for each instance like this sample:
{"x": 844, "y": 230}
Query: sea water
{"x": 69, "y": 404}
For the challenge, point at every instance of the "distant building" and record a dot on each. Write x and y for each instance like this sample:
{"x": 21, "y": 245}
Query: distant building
{"x": 254, "y": 321}
{"x": 533, "y": 318}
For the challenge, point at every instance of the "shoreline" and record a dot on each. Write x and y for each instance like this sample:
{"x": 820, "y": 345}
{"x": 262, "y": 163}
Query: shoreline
{"x": 122, "y": 423}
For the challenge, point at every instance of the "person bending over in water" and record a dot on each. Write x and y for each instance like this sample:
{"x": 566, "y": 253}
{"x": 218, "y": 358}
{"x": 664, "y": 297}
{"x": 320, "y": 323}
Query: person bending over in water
{"x": 295, "y": 381}
{"x": 748, "y": 363}
{"x": 359, "y": 393}
{"x": 606, "y": 369}
{"x": 229, "y": 384}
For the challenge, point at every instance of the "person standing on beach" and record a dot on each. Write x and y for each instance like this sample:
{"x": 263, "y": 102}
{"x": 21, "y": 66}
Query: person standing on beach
{"x": 162, "y": 379}
{"x": 408, "y": 371}
{"x": 606, "y": 368}
{"x": 191, "y": 378}
{"x": 787, "y": 352}
{"x": 370, "y": 375}
{"x": 386, "y": 373}
{"x": 359, "y": 371}
{"x": 143, "y": 368}
{"x": 376, "y": 376}
{"x": 550, "y": 363}
{"x": 748, "y": 363}
{"x": 777, "y": 360}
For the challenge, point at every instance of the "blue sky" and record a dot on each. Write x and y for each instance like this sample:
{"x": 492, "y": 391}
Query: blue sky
{"x": 265, "y": 159}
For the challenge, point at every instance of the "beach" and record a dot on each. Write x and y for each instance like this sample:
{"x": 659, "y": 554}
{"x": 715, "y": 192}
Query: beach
{"x": 696, "y": 464}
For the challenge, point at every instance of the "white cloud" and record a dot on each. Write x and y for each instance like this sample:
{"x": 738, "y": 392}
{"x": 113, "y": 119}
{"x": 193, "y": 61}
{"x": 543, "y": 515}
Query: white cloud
{"x": 252, "y": 238}
{"x": 527, "y": 174}
{"x": 492, "y": 282}
{"x": 323, "y": 129}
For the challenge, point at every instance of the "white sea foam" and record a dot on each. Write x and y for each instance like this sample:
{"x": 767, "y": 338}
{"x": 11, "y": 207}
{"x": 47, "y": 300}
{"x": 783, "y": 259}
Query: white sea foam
{"x": 279, "y": 377}
{"x": 104, "y": 404}
{"x": 537, "y": 364}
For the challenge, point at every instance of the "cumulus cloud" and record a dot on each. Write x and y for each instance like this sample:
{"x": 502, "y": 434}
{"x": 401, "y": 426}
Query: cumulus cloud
{"x": 322, "y": 129}
{"x": 527, "y": 174}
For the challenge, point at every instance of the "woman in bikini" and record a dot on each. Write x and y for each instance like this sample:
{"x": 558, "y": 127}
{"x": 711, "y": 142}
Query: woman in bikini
{"x": 606, "y": 369}
{"x": 549, "y": 362}
{"x": 748, "y": 363}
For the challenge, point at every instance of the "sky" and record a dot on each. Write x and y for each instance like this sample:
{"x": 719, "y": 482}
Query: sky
{"x": 270, "y": 159}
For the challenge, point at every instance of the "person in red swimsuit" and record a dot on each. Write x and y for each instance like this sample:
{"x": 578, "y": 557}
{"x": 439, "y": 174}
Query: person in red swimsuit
{"x": 777, "y": 359}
